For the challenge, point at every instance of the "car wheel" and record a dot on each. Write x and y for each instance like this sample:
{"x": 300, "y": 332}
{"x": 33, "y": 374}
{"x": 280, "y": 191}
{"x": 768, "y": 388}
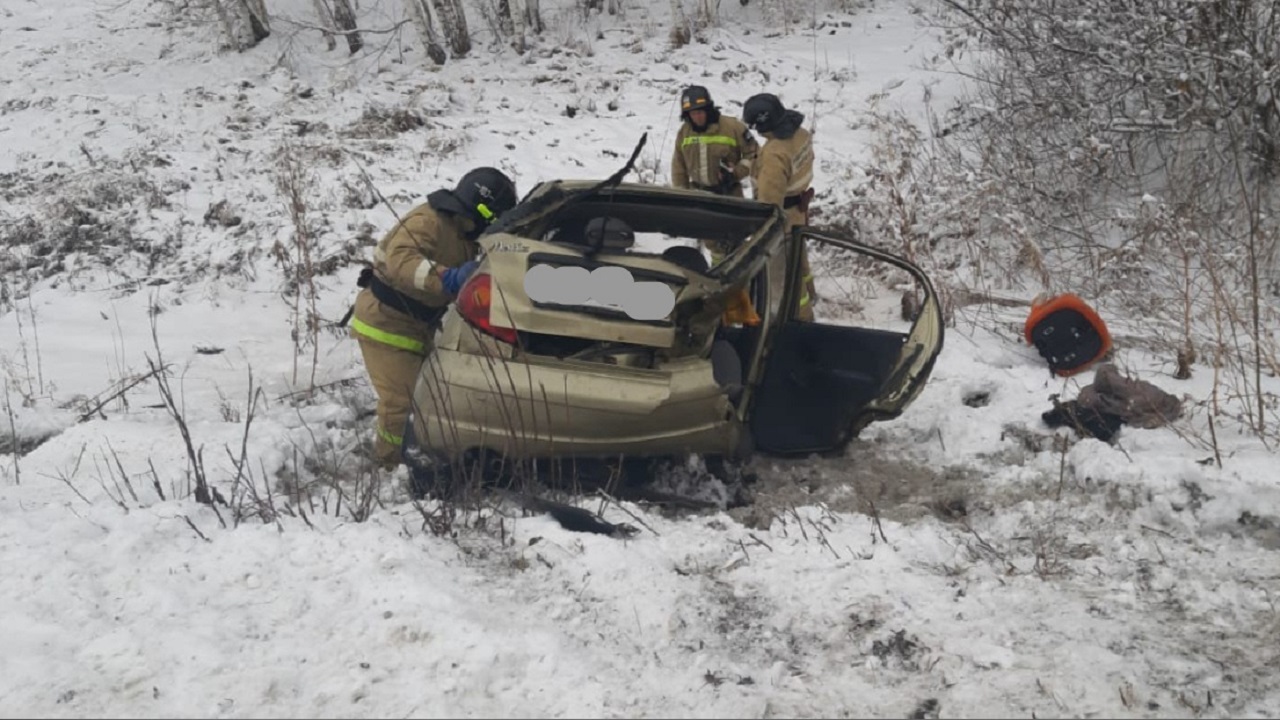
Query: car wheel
{"x": 426, "y": 472}
{"x": 730, "y": 471}
{"x": 733, "y": 476}
{"x": 746, "y": 449}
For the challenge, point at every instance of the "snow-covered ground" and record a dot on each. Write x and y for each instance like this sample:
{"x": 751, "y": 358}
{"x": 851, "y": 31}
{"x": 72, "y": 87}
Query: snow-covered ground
{"x": 958, "y": 562}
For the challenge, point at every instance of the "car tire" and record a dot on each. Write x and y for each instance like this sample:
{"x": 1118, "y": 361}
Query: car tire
{"x": 735, "y": 478}
{"x": 746, "y": 448}
{"x": 426, "y": 474}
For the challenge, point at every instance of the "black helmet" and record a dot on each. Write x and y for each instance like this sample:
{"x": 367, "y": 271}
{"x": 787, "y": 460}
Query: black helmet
{"x": 763, "y": 112}
{"x": 695, "y": 97}
{"x": 487, "y": 192}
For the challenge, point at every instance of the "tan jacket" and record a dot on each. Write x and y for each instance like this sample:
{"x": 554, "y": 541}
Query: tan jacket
{"x": 410, "y": 258}
{"x": 783, "y": 169}
{"x": 696, "y": 159}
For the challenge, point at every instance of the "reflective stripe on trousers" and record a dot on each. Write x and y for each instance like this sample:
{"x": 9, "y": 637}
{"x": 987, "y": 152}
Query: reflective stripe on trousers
{"x": 393, "y": 362}
{"x": 403, "y": 342}
{"x": 386, "y": 435}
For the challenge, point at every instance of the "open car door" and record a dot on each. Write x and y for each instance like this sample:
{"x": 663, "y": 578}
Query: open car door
{"x": 824, "y": 381}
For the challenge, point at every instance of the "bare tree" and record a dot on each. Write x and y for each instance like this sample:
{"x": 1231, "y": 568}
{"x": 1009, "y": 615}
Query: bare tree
{"x": 255, "y": 12}
{"x": 421, "y": 15}
{"x": 326, "y": 21}
{"x": 506, "y": 24}
{"x": 345, "y": 18}
{"x": 497, "y": 14}
{"x": 454, "y": 21}
{"x": 533, "y": 16}
{"x": 681, "y": 28}
{"x": 244, "y": 22}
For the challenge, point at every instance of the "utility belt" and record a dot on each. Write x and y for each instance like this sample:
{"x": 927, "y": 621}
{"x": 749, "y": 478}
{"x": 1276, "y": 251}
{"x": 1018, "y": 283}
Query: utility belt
{"x": 801, "y": 200}
{"x": 397, "y": 300}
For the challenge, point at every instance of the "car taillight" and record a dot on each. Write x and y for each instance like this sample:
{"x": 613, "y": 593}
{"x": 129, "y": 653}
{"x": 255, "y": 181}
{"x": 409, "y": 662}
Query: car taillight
{"x": 474, "y": 300}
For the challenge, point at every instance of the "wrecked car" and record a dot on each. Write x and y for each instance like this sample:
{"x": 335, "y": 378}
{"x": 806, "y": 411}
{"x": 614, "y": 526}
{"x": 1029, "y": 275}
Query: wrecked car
{"x": 595, "y": 338}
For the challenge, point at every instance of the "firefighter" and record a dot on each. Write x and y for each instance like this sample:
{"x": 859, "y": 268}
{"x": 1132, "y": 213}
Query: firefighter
{"x": 713, "y": 152}
{"x": 782, "y": 173}
{"x": 418, "y": 268}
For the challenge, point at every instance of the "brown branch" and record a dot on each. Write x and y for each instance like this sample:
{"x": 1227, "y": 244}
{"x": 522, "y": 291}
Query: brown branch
{"x": 193, "y": 527}
{"x": 136, "y": 381}
{"x": 354, "y": 31}
{"x": 607, "y": 496}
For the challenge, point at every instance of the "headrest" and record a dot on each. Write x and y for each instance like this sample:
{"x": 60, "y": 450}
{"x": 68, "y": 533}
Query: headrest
{"x": 607, "y": 233}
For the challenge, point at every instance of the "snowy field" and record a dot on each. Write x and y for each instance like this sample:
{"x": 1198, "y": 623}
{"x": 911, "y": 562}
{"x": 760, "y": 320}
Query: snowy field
{"x": 963, "y": 560}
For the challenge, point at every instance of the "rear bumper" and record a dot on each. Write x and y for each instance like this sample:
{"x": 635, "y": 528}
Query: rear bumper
{"x": 556, "y": 409}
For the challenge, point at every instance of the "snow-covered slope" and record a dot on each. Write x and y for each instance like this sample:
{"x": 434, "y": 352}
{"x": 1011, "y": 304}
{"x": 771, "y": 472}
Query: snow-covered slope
{"x": 959, "y": 562}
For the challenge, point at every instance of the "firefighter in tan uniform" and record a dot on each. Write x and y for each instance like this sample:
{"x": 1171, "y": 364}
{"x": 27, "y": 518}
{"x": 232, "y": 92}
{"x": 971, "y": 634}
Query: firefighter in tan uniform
{"x": 783, "y": 172}
{"x": 713, "y": 152}
{"x": 418, "y": 268}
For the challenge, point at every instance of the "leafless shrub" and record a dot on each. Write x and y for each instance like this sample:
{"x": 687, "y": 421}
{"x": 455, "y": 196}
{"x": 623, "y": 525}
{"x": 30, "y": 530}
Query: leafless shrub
{"x": 90, "y": 407}
{"x": 784, "y": 17}
{"x": 573, "y": 33}
{"x": 498, "y": 16}
{"x": 20, "y": 235}
{"x": 897, "y": 650}
{"x": 294, "y": 185}
{"x": 65, "y": 476}
{"x": 378, "y": 121}
{"x": 246, "y": 499}
{"x": 204, "y": 492}
{"x": 120, "y": 481}
{"x": 1127, "y": 153}
{"x": 29, "y": 379}
{"x": 327, "y": 476}
{"x": 221, "y": 214}
{"x": 77, "y": 222}
{"x": 913, "y": 198}
{"x": 14, "y": 443}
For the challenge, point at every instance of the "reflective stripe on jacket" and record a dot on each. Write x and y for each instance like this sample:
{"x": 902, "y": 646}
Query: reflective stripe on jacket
{"x": 407, "y": 259}
{"x": 696, "y": 159}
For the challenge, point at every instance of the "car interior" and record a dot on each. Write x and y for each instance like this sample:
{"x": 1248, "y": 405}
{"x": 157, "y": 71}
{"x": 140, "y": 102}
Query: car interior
{"x": 643, "y": 215}
{"x": 810, "y": 365}
{"x": 733, "y": 348}
{"x": 588, "y": 227}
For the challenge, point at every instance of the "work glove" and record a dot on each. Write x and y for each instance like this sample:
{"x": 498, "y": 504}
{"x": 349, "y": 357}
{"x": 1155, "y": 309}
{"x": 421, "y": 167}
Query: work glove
{"x": 740, "y": 310}
{"x": 453, "y": 278}
{"x": 727, "y": 180}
